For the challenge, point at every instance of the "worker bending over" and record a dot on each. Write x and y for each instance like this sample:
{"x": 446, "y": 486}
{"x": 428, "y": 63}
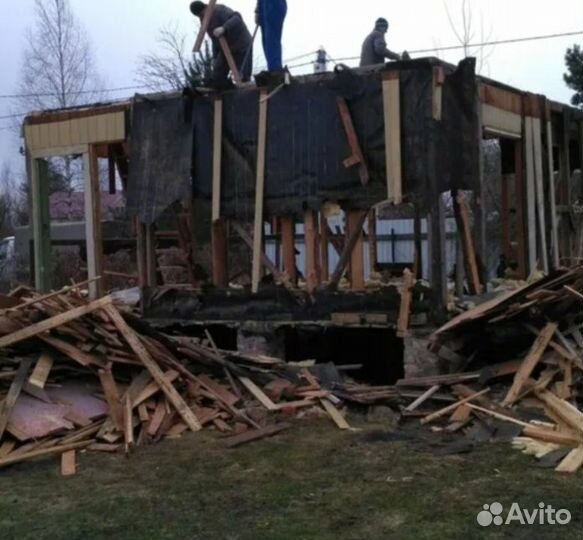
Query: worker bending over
{"x": 374, "y": 48}
{"x": 229, "y": 24}
{"x": 270, "y": 16}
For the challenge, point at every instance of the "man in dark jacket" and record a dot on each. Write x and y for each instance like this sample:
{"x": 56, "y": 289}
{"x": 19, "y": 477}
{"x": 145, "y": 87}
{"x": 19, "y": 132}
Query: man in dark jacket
{"x": 270, "y": 16}
{"x": 228, "y": 24}
{"x": 374, "y": 48}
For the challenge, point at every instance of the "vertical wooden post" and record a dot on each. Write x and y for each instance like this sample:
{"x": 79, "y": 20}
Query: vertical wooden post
{"x": 438, "y": 259}
{"x": 480, "y": 211}
{"x": 41, "y": 223}
{"x": 259, "y": 192}
{"x": 521, "y": 251}
{"x": 111, "y": 170}
{"x": 219, "y": 226}
{"x": 530, "y": 195}
{"x": 392, "y": 117}
{"x": 565, "y": 174}
{"x": 151, "y": 279}
{"x": 418, "y": 236}
{"x": 372, "y": 240}
{"x": 141, "y": 253}
{"x": 354, "y": 220}
{"x": 505, "y": 218}
{"x": 312, "y": 272}
{"x": 276, "y": 233}
{"x": 540, "y": 193}
{"x": 94, "y": 240}
{"x": 324, "y": 260}
{"x": 288, "y": 247}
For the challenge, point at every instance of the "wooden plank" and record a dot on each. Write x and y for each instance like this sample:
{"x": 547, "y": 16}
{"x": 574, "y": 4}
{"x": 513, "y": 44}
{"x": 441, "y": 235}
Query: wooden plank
{"x": 438, "y": 80}
{"x": 153, "y": 388}
{"x": 563, "y": 409}
{"x": 573, "y": 462}
{"x": 128, "y": 424}
{"x": 41, "y": 370}
{"x": 217, "y": 157}
{"x": 41, "y": 223}
{"x": 220, "y": 253}
{"x": 530, "y": 362}
{"x": 112, "y": 397}
{"x": 392, "y": 117}
{"x": 530, "y": 195}
{"x": 355, "y": 220}
{"x": 406, "y": 302}
{"x": 264, "y": 259}
{"x": 255, "y": 435}
{"x": 40, "y": 299}
{"x": 13, "y": 393}
{"x": 204, "y": 25}
{"x": 72, "y": 352}
{"x": 465, "y": 230}
{"x": 452, "y": 407}
{"x": 423, "y": 398}
{"x": 93, "y": 233}
{"x": 6, "y": 447}
{"x": 552, "y": 193}
{"x": 289, "y": 247}
{"x": 353, "y": 142}
{"x": 12, "y": 459}
{"x": 155, "y": 370}
{"x": 540, "y": 192}
{"x": 573, "y": 292}
{"x": 335, "y": 414}
{"x": 258, "y": 394}
{"x": 312, "y": 272}
{"x": 520, "y": 213}
{"x": 53, "y": 322}
{"x": 372, "y": 240}
{"x": 324, "y": 244}
{"x": 259, "y": 192}
{"x": 69, "y": 463}
{"x": 230, "y": 60}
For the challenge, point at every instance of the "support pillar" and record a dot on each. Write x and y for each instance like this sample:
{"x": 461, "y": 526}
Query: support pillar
{"x": 41, "y": 223}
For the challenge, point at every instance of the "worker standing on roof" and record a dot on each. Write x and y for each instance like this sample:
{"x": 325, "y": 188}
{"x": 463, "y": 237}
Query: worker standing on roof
{"x": 374, "y": 48}
{"x": 229, "y": 24}
{"x": 270, "y": 16}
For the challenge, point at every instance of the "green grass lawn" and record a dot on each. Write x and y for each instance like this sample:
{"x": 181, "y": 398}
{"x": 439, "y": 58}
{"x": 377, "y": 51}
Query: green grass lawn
{"x": 311, "y": 482}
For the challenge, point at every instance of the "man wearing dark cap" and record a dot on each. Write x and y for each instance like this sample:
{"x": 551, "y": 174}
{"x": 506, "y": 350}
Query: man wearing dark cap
{"x": 229, "y": 24}
{"x": 374, "y": 48}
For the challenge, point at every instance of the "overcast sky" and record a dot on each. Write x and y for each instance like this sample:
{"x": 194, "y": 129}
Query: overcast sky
{"x": 122, "y": 30}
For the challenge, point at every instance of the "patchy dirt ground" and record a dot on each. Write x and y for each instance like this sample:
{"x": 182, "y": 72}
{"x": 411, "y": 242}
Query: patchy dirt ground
{"x": 312, "y": 482}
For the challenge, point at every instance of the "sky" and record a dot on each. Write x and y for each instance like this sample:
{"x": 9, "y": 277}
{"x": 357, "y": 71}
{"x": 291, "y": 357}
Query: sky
{"x": 121, "y": 31}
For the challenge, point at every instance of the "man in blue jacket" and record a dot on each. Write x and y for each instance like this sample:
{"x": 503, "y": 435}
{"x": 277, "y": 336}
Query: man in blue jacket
{"x": 270, "y": 16}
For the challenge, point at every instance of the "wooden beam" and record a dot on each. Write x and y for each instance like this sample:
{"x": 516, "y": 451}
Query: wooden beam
{"x": 264, "y": 260}
{"x": 540, "y": 192}
{"x": 392, "y": 113}
{"x": 53, "y": 322}
{"x": 312, "y": 271}
{"x": 552, "y": 191}
{"x": 464, "y": 230}
{"x": 217, "y": 158}
{"x": 354, "y": 222}
{"x": 406, "y": 302}
{"x": 372, "y": 240}
{"x": 357, "y": 157}
{"x": 438, "y": 80}
{"x": 259, "y": 192}
{"x": 521, "y": 251}
{"x": 422, "y": 398}
{"x": 157, "y": 374}
{"x": 230, "y": 60}
{"x": 150, "y": 256}
{"x": 438, "y": 258}
{"x": 41, "y": 370}
{"x": 452, "y": 407}
{"x": 530, "y": 362}
{"x": 111, "y": 172}
{"x": 13, "y": 393}
{"x": 112, "y": 397}
{"x": 204, "y": 25}
{"x": 288, "y": 230}
{"x": 530, "y": 195}
{"x": 41, "y": 223}
{"x": 93, "y": 233}
{"x": 324, "y": 244}
{"x": 350, "y": 244}
{"x": 220, "y": 253}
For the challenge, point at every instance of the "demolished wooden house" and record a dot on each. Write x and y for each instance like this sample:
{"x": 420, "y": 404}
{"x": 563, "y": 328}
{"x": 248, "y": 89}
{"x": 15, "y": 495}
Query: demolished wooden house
{"x": 222, "y": 174}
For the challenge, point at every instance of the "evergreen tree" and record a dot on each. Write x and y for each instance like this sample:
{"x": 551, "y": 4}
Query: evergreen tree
{"x": 574, "y": 76}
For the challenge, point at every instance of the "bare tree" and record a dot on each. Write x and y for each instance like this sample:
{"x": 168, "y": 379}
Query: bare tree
{"x": 58, "y": 69}
{"x": 471, "y": 34}
{"x": 9, "y": 200}
{"x": 172, "y": 66}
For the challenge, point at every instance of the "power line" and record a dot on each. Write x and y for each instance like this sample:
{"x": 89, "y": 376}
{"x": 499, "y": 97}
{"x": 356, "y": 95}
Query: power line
{"x": 95, "y": 91}
{"x": 455, "y": 47}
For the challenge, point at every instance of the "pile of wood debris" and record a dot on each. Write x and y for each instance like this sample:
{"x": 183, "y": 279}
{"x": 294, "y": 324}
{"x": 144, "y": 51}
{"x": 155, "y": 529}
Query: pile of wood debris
{"x": 79, "y": 375}
{"x": 531, "y": 343}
